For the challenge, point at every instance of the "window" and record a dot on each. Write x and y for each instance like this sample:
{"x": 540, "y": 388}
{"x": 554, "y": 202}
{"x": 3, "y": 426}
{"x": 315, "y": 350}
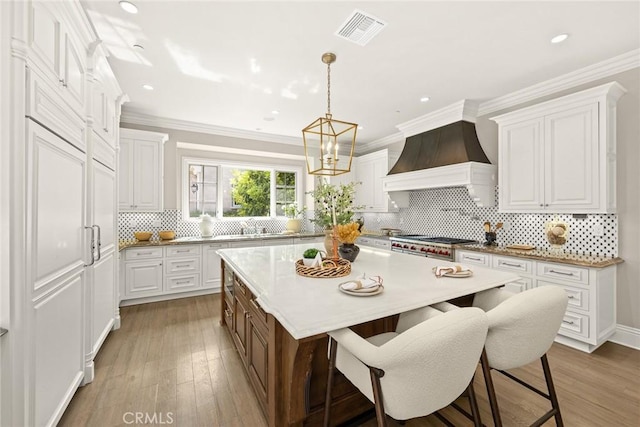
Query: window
{"x": 237, "y": 190}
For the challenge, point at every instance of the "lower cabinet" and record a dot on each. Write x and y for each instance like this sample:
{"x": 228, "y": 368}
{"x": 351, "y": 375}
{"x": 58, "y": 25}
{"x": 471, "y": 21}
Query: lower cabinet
{"x": 590, "y": 318}
{"x": 248, "y": 326}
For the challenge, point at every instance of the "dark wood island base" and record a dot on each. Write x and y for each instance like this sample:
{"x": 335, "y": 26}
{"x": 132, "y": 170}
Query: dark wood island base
{"x": 289, "y": 376}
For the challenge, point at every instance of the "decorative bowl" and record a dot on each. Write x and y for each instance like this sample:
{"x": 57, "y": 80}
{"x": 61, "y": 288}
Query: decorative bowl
{"x": 142, "y": 236}
{"x": 167, "y": 234}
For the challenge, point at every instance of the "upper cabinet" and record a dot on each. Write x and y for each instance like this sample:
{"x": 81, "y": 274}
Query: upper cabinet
{"x": 57, "y": 53}
{"x": 103, "y": 102}
{"x": 560, "y": 156}
{"x": 141, "y": 170}
{"x": 370, "y": 169}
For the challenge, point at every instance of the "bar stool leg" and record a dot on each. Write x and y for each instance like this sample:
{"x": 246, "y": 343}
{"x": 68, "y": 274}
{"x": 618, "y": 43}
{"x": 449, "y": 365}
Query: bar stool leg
{"x": 491, "y": 392}
{"x": 552, "y": 390}
{"x": 381, "y": 416}
{"x": 333, "y": 345}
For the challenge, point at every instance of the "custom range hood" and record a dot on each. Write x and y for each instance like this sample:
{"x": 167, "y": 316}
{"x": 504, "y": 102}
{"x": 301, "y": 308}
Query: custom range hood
{"x": 442, "y": 150}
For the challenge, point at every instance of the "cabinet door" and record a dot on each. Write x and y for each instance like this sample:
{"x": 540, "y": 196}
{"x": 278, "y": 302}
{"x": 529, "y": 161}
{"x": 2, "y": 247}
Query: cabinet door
{"x": 125, "y": 175}
{"x": 365, "y": 174}
{"x": 240, "y": 326}
{"x": 147, "y": 176}
{"x": 211, "y": 271}
{"x": 258, "y": 360}
{"x": 571, "y": 159}
{"x": 73, "y": 73}
{"x": 103, "y": 300}
{"x": 143, "y": 279}
{"x": 45, "y": 32}
{"x": 521, "y": 171}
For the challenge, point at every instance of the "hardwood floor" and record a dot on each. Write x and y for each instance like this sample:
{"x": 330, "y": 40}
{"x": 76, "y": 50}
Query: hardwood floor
{"x": 173, "y": 363}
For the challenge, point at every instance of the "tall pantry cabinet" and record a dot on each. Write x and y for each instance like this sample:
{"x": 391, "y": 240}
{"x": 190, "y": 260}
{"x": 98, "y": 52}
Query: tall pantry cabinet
{"x": 65, "y": 104}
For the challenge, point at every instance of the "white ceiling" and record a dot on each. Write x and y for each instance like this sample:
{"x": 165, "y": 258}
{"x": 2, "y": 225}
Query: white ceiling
{"x": 202, "y": 57}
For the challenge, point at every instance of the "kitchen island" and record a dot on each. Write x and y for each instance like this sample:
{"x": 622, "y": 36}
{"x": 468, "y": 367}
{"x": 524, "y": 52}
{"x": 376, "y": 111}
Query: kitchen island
{"x": 278, "y": 320}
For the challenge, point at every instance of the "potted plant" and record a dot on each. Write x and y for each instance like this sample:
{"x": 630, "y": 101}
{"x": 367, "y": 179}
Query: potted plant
{"x": 294, "y": 223}
{"x": 347, "y": 234}
{"x": 309, "y": 256}
{"x": 333, "y": 205}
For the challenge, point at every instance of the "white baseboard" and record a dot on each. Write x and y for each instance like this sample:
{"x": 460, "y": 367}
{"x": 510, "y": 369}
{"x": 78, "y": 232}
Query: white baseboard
{"x": 627, "y": 336}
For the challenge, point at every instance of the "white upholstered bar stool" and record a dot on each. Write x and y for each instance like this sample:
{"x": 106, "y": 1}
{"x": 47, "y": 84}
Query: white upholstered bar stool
{"x": 415, "y": 371}
{"x": 522, "y": 328}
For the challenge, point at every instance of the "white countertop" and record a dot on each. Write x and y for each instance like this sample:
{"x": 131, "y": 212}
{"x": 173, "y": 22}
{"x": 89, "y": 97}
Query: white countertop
{"x": 307, "y": 306}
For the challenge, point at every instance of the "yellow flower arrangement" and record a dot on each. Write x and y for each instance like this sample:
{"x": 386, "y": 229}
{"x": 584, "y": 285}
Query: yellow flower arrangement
{"x": 348, "y": 233}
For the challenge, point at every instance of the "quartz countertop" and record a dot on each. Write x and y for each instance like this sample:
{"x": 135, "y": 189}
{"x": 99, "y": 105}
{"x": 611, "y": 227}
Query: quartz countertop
{"x": 309, "y": 306}
{"x": 123, "y": 244}
{"x": 546, "y": 255}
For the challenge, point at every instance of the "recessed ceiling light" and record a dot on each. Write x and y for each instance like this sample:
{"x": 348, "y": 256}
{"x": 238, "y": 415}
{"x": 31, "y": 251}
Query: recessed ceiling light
{"x": 128, "y": 7}
{"x": 559, "y": 38}
{"x": 269, "y": 119}
{"x": 138, "y": 46}
{"x": 275, "y": 112}
{"x": 147, "y": 87}
{"x": 424, "y": 99}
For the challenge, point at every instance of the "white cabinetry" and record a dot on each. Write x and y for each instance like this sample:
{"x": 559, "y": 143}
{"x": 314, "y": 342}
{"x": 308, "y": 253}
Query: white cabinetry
{"x": 140, "y": 170}
{"x": 374, "y": 242}
{"x": 182, "y": 268}
{"x": 143, "y": 272}
{"x": 57, "y": 53}
{"x": 211, "y": 271}
{"x": 560, "y": 156}
{"x": 590, "y": 318}
{"x": 65, "y": 288}
{"x": 370, "y": 169}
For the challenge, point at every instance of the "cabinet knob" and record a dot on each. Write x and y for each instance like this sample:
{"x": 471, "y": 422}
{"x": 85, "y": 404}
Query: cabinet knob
{"x": 541, "y": 205}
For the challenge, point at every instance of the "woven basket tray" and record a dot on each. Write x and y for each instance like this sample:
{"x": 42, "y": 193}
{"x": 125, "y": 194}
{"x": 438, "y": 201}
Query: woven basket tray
{"x": 343, "y": 268}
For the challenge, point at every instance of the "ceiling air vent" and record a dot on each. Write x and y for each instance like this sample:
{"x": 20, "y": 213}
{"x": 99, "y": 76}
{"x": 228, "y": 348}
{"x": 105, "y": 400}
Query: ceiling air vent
{"x": 360, "y": 27}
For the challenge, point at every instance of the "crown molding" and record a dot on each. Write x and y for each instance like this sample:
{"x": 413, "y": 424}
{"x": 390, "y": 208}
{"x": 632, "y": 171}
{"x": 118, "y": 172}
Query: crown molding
{"x": 599, "y": 70}
{"x": 380, "y": 143}
{"x": 137, "y": 118}
{"x": 462, "y": 110}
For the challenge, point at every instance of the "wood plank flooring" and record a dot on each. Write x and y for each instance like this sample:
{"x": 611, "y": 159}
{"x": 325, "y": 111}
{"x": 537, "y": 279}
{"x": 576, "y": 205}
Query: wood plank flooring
{"x": 173, "y": 361}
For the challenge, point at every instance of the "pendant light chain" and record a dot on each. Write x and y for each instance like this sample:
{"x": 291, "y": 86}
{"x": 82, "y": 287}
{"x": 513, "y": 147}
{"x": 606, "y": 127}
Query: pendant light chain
{"x": 329, "y": 88}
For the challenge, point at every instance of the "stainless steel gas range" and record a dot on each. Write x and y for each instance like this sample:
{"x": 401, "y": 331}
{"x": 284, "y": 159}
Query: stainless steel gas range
{"x": 433, "y": 247}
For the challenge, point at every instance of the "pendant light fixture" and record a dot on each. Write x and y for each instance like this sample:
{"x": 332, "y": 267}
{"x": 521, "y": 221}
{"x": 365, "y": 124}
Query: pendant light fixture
{"x": 323, "y": 138}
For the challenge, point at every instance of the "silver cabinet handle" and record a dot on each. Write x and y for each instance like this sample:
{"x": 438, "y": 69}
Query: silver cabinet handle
{"x": 182, "y": 250}
{"x": 182, "y": 282}
{"x": 541, "y": 205}
{"x": 511, "y": 265}
{"x": 571, "y": 297}
{"x": 567, "y": 322}
{"x": 93, "y": 247}
{"x": 183, "y": 266}
{"x": 3, "y": 332}
{"x": 99, "y": 242}
{"x": 473, "y": 259}
{"x": 561, "y": 272}
{"x": 144, "y": 253}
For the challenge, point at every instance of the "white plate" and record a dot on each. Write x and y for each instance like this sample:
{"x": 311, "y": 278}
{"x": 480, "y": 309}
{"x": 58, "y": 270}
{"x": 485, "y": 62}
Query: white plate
{"x": 361, "y": 293}
{"x": 468, "y": 273}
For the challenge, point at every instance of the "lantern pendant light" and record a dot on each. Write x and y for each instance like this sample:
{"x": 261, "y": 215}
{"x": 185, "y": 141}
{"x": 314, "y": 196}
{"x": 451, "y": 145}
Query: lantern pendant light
{"x": 325, "y": 136}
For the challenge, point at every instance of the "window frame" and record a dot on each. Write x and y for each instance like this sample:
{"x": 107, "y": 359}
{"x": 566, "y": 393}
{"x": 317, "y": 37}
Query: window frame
{"x": 272, "y": 167}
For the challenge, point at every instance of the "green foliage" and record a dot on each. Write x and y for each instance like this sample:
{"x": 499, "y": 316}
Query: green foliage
{"x": 325, "y": 196}
{"x": 252, "y": 190}
{"x": 292, "y": 211}
{"x": 310, "y": 253}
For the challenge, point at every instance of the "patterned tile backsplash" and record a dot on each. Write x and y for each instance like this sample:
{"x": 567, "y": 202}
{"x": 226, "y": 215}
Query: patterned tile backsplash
{"x": 448, "y": 212}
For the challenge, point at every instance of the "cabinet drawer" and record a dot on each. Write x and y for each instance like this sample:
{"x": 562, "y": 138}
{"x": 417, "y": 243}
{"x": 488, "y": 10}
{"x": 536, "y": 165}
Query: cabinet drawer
{"x": 381, "y": 244}
{"x": 240, "y": 290}
{"x": 182, "y": 282}
{"x": 512, "y": 264}
{"x": 257, "y": 312}
{"x": 143, "y": 253}
{"x": 578, "y": 297}
{"x": 519, "y": 285}
{"x": 182, "y": 251}
{"x": 575, "y": 324}
{"x": 476, "y": 258}
{"x": 182, "y": 265}
{"x": 103, "y": 152}
{"x": 228, "y": 315}
{"x": 563, "y": 272}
